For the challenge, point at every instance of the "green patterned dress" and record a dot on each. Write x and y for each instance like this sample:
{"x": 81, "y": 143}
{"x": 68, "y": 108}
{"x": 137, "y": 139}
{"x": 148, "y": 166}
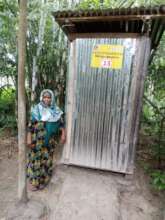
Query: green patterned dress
{"x": 40, "y": 155}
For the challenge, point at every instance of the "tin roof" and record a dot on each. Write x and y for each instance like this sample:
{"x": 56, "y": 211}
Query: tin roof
{"x": 143, "y": 20}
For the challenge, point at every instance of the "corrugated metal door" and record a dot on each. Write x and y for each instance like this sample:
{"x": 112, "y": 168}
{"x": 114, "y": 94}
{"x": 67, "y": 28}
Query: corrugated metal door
{"x": 101, "y": 111}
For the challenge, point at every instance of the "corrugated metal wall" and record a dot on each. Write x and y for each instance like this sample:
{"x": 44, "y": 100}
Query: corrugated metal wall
{"x": 101, "y": 110}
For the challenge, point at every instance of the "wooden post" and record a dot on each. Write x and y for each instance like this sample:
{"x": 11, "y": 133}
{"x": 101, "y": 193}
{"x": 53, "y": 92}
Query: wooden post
{"x": 22, "y": 191}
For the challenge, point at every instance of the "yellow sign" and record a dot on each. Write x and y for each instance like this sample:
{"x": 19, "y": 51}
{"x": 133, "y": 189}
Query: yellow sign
{"x": 107, "y": 56}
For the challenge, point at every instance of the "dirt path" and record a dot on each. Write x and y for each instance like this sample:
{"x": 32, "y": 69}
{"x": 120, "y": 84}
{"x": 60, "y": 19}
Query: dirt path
{"x": 82, "y": 194}
{"x": 8, "y": 174}
{"x": 76, "y": 193}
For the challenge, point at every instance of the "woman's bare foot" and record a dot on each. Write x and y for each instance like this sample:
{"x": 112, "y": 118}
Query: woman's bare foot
{"x": 32, "y": 188}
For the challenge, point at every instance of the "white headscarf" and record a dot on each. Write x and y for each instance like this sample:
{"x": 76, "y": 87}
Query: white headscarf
{"x": 51, "y": 113}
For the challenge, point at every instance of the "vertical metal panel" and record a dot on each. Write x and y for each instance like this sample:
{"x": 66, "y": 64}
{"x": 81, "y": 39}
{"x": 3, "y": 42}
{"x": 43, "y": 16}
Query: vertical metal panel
{"x": 70, "y": 100}
{"x": 101, "y": 114}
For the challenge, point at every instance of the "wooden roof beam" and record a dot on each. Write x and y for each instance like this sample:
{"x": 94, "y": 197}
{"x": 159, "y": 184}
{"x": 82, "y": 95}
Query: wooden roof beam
{"x": 108, "y": 18}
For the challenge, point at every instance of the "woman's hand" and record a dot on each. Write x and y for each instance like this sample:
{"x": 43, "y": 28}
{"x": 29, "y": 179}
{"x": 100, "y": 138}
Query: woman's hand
{"x": 63, "y": 136}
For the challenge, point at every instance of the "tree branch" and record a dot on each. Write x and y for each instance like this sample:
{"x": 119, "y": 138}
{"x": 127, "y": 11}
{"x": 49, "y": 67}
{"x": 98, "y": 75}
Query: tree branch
{"x": 153, "y": 105}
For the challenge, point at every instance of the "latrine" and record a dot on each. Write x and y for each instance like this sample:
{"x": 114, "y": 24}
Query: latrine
{"x": 109, "y": 52}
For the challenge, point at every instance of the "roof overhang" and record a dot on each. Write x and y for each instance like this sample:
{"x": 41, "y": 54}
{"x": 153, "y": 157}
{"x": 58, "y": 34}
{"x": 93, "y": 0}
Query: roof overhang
{"x": 143, "y": 21}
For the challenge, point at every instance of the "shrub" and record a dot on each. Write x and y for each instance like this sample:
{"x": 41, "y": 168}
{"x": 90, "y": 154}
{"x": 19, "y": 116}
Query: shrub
{"x": 7, "y": 109}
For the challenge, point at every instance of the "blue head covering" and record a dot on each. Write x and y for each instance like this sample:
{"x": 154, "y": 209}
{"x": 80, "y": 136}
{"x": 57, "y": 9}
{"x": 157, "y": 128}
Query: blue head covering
{"x": 42, "y": 112}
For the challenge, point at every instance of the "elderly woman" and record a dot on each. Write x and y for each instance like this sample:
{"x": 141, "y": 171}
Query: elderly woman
{"x": 45, "y": 123}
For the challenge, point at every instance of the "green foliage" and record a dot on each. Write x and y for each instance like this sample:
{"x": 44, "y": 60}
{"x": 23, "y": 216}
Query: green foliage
{"x": 51, "y": 61}
{"x": 89, "y": 4}
{"x": 153, "y": 117}
{"x": 103, "y": 4}
{"x": 158, "y": 151}
{"x": 7, "y": 108}
{"x": 158, "y": 179}
{"x": 8, "y": 30}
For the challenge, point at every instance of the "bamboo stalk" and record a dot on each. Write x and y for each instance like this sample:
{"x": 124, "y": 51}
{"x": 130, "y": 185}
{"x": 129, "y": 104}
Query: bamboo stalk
{"x": 22, "y": 191}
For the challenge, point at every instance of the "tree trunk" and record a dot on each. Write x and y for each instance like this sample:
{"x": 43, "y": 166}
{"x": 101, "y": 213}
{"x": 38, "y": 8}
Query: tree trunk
{"x": 22, "y": 190}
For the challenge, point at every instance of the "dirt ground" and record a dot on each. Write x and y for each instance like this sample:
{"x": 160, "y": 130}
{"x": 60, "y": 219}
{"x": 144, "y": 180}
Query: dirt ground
{"x": 82, "y": 194}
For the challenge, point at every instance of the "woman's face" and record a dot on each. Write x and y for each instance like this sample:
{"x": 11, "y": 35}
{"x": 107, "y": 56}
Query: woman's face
{"x": 47, "y": 100}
